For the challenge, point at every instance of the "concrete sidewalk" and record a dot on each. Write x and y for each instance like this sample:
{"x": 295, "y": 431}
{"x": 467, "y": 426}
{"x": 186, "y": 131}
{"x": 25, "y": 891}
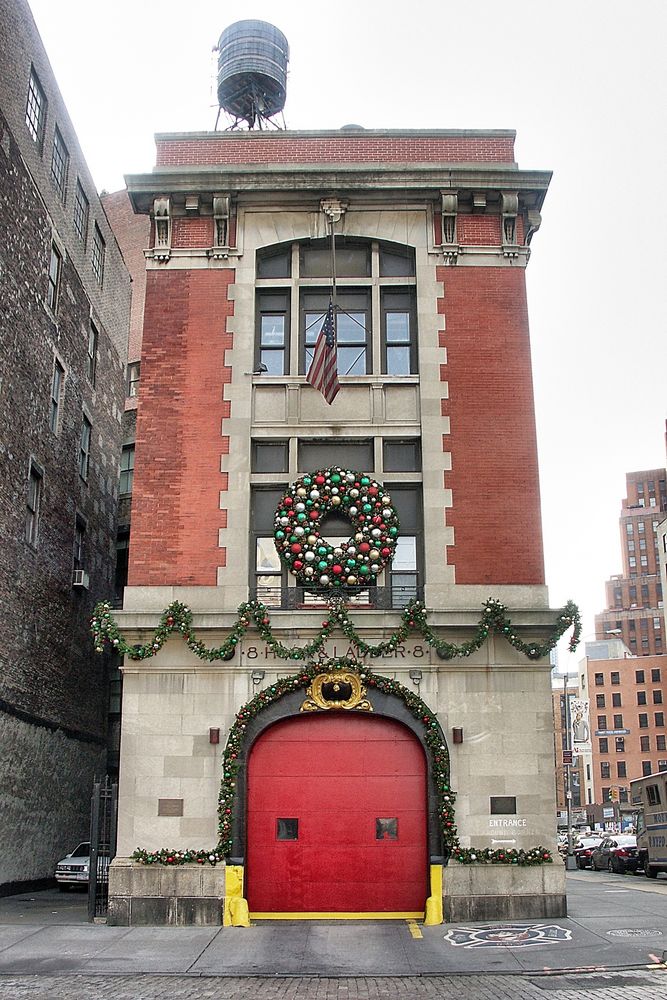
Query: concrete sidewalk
{"x": 615, "y": 922}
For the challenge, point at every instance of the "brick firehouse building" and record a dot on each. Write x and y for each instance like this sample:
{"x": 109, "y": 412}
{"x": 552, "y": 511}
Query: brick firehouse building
{"x": 330, "y": 809}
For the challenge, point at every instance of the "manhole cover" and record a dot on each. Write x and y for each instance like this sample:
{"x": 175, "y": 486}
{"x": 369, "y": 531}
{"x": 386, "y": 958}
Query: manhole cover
{"x": 635, "y": 932}
{"x": 507, "y": 936}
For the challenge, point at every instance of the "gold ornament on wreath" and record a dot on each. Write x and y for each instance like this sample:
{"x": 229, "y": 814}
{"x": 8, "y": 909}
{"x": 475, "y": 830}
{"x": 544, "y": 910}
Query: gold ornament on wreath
{"x": 337, "y": 690}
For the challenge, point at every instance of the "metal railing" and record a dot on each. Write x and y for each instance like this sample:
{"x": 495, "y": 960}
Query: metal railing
{"x": 103, "y": 823}
{"x": 303, "y": 598}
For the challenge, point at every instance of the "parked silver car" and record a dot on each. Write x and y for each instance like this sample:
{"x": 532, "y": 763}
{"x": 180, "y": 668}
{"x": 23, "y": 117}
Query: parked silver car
{"x": 74, "y": 868}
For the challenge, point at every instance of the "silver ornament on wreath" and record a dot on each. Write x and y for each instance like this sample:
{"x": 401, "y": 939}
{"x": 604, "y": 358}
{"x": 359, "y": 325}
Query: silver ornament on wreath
{"x": 302, "y": 511}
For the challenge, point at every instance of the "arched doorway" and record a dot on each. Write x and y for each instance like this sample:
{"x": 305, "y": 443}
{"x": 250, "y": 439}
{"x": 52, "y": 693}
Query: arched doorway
{"x": 337, "y": 817}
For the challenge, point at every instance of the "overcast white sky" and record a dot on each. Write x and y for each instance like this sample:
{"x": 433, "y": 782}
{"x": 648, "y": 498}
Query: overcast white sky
{"x": 583, "y": 82}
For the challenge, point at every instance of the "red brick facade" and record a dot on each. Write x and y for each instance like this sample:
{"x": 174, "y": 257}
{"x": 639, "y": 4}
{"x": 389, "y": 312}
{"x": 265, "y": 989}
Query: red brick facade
{"x": 494, "y": 476}
{"x": 489, "y": 402}
{"x": 355, "y": 147}
{"x": 176, "y": 515}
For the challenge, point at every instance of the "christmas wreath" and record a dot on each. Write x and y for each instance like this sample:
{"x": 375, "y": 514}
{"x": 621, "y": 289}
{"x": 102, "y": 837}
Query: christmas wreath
{"x": 304, "y": 508}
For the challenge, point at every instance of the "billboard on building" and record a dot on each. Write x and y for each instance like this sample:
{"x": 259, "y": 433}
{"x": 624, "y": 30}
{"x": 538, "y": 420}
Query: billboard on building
{"x": 580, "y": 725}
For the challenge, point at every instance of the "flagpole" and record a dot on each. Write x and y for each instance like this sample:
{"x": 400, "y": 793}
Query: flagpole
{"x": 333, "y": 278}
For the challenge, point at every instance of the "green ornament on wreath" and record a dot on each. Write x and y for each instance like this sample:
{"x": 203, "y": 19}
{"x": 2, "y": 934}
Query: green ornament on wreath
{"x": 304, "y": 508}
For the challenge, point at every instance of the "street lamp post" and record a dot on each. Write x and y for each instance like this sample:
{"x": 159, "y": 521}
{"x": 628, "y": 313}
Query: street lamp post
{"x": 570, "y": 863}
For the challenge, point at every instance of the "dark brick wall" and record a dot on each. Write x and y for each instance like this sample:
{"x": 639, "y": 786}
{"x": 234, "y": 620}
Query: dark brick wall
{"x": 48, "y": 668}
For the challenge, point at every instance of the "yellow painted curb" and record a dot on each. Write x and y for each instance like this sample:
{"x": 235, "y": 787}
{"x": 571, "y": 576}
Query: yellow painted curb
{"x": 383, "y": 915}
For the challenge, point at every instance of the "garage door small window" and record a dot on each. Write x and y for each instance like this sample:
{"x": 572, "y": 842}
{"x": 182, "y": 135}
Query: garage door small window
{"x": 287, "y": 829}
{"x": 386, "y": 829}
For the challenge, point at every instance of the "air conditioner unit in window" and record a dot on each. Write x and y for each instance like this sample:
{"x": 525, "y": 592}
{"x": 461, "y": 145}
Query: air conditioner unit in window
{"x": 80, "y": 579}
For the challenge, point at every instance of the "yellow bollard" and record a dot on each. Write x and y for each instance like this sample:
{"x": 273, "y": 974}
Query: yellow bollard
{"x": 433, "y": 909}
{"x": 235, "y": 910}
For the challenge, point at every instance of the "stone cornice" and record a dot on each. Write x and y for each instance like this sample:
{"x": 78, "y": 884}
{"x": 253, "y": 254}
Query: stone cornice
{"x": 288, "y": 183}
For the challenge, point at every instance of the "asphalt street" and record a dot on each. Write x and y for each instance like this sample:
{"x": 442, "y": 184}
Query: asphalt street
{"x": 612, "y": 944}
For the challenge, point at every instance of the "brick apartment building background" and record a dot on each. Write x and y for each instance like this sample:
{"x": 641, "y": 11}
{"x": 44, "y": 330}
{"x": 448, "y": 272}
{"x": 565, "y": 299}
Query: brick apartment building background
{"x": 63, "y": 337}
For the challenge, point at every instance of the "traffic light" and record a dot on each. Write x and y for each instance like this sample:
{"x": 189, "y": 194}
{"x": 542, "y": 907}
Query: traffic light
{"x": 613, "y": 794}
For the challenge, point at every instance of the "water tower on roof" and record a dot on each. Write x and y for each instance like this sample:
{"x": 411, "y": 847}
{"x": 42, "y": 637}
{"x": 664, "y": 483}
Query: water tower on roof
{"x": 252, "y": 73}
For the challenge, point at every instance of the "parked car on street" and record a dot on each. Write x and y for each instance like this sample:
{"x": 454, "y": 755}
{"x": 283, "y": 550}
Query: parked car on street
{"x": 584, "y": 848}
{"x": 616, "y": 854}
{"x": 74, "y": 867}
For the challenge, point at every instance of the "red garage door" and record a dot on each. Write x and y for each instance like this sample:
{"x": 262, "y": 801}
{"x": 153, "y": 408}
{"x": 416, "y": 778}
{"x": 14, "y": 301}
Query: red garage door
{"x": 337, "y": 817}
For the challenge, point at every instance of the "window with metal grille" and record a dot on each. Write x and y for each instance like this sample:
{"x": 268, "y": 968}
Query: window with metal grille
{"x": 33, "y": 504}
{"x": 35, "y": 112}
{"x": 375, "y": 333}
{"x": 133, "y": 378}
{"x": 93, "y": 338}
{"x": 79, "y": 542}
{"x": 57, "y": 389}
{"x": 55, "y": 271}
{"x": 59, "y": 164}
{"x": 126, "y": 470}
{"x": 81, "y": 210}
{"x": 98, "y": 255}
{"x": 84, "y": 446}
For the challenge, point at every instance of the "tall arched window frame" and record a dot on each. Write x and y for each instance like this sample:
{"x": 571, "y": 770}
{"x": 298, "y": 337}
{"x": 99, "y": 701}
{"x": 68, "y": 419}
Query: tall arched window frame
{"x": 375, "y": 299}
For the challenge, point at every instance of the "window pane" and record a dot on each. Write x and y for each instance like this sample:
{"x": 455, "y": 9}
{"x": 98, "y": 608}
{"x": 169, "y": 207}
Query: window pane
{"x": 263, "y": 509}
{"x": 287, "y": 829}
{"x": 503, "y": 805}
{"x": 324, "y": 453}
{"x": 386, "y": 829}
{"x": 59, "y": 164}
{"x": 351, "y": 361}
{"x": 398, "y": 361}
{"x": 351, "y": 328}
{"x": 267, "y": 559}
{"x": 396, "y": 262}
{"x": 35, "y": 114}
{"x": 80, "y": 213}
{"x": 407, "y": 501}
{"x": 274, "y": 361}
{"x": 401, "y": 456}
{"x": 274, "y": 265}
{"x": 314, "y": 321}
{"x": 352, "y": 261}
{"x": 273, "y": 331}
{"x": 398, "y": 327}
{"x": 269, "y": 456}
{"x": 405, "y": 557}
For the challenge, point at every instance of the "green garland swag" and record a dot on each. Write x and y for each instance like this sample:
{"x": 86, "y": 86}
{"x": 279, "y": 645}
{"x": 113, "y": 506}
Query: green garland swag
{"x": 178, "y": 618}
{"x": 440, "y": 767}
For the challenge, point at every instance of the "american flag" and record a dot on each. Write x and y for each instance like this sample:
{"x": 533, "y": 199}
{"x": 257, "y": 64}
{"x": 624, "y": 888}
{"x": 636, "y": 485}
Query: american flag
{"x": 323, "y": 371}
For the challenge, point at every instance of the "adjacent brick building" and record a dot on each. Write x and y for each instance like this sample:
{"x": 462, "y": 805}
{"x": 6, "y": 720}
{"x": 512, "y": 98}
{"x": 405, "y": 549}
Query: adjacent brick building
{"x": 65, "y": 295}
{"x": 432, "y": 233}
{"x": 627, "y": 695}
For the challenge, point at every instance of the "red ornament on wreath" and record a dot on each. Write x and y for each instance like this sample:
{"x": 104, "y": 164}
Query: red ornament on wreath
{"x": 313, "y": 560}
